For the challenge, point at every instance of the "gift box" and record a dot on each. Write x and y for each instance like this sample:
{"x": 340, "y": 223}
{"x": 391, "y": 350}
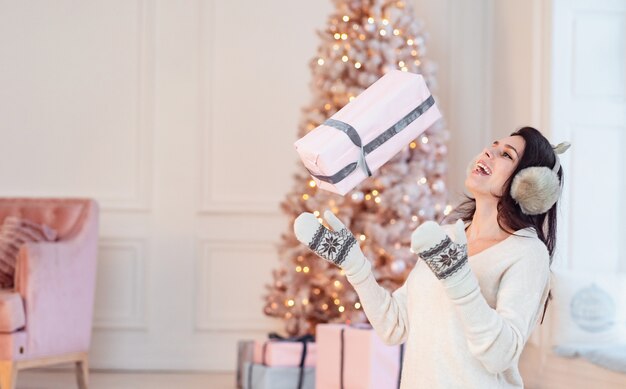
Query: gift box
{"x": 245, "y": 354}
{"x": 256, "y": 376}
{"x": 278, "y": 351}
{"x": 368, "y": 131}
{"x": 355, "y": 358}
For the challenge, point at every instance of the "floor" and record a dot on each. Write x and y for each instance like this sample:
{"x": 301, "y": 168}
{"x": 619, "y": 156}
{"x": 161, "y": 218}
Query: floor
{"x": 50, "y": 379}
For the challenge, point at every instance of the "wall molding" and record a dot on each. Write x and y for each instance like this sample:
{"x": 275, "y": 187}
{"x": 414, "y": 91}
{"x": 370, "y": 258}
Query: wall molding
{"x": 136, "y": 318}
{"x": 140, "y": 197}
{"x": 210, "y": 200}
{"x": 205, "y": 318}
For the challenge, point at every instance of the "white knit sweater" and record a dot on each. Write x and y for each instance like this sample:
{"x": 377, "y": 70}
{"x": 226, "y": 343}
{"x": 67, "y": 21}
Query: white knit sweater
{"x": 467, "y": 335}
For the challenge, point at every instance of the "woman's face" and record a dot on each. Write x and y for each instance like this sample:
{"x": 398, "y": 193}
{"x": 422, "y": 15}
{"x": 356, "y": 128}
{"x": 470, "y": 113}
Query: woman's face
{"x": 491, "y": 168}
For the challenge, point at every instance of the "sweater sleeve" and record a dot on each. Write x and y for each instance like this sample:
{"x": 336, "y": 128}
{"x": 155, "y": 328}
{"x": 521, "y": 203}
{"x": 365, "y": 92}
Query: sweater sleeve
{"x": 387, "y": 312}
{"x": 497, "y": 337}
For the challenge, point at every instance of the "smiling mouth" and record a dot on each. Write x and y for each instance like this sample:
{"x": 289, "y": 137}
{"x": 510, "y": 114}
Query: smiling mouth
{"x": 482, "y": 169}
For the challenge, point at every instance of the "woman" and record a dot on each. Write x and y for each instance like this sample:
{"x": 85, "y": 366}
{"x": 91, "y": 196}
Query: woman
{"x": 467, "y": 309}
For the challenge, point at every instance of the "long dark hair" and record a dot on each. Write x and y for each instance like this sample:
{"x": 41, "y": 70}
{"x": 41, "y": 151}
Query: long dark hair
{"x": 537, "y": 152}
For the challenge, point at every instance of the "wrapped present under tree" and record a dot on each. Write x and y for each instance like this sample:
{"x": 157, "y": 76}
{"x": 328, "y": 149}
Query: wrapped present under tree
{"x": 356, "y": 358}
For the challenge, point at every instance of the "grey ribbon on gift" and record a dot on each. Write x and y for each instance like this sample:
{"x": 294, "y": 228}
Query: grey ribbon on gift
{"x": 374, "y": 144}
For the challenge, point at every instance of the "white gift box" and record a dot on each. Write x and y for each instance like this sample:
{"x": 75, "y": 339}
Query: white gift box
{"x": 367, "y": 132}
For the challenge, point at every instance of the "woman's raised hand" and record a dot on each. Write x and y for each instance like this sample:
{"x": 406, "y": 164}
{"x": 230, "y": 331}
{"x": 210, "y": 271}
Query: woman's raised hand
{"x": 337, "y": 246}
{"x": 442, "y": 255}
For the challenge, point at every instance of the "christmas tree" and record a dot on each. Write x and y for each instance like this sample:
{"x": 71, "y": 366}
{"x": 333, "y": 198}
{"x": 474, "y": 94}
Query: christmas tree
{"x": 364, "y": 39}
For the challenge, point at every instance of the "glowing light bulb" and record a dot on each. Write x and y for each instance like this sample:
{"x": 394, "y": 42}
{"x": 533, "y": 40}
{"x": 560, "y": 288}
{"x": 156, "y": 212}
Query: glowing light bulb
{"x": 316, "y": 213}
{"x": 357, "y": 65}
{"x": 377, "y": 200}
{"x": 344, "y": 36}
{"x": 346, "y": 18}
{"x": 409, "y": 42}
{"x": 396, "y": 32}
{"x": 305, "y": 196}
{"x": 401, "y": 63}
{"x": 290, "y": 303}
{"x": 385, "y": 22}
{"x": 305, "y": 269}
{"x": 298, "y": 269}
{"x": 362, "y": 237}
{"x": 357, "y": 305}
{"x": 312, "y": 184}
{"x": 382, "y": 32}
{"x": 375, "y": 192}
{"x": 337, "y": 35}
{"x": 320, "y": 61}
{"x": 344, "y": 58}
{"x": 413, "y": 145}
{"x": 370, "y": 20}
{"x": 341, "y": 308}
{"x": 424, "y": 139}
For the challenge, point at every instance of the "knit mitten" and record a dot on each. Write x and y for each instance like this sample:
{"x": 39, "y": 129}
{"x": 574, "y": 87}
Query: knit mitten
{"x": 445, "y": 258}
{"x": 337, "y": 246}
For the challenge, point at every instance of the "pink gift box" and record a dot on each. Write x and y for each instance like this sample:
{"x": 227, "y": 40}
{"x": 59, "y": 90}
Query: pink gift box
{"x": 368, "y": 131}
{"x": 283, "y": 353}
{"x": 368, "y": 363}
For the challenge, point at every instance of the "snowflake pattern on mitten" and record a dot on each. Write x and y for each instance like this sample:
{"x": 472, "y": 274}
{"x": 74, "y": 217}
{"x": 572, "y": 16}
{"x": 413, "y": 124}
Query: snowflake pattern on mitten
{"x": 332, "y": 245}
{"x": 445, "y": 258}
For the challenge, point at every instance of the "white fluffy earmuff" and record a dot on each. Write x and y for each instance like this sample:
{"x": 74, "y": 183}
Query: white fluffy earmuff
{"x": 537, "y": 188}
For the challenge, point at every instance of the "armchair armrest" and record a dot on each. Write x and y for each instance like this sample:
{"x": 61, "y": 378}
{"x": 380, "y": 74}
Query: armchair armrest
{"x": 57, "y": 283}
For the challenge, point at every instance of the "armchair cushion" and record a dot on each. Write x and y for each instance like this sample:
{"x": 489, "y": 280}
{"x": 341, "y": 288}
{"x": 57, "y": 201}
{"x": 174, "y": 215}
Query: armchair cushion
{"x": 14, "y": 232}
{"x": 11, "y": 311}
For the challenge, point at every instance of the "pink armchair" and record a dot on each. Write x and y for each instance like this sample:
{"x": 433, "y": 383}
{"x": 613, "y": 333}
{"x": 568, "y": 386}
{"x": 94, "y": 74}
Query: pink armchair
{"x": 47, "y": 318}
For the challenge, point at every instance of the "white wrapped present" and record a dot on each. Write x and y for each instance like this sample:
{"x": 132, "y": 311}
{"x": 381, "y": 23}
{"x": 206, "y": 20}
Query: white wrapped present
{"x": 367, "y": 132}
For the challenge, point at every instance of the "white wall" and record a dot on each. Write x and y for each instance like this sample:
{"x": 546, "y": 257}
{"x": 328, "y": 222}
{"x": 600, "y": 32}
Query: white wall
{"x": 460, "y": 43}
{"x": 589, "y": 109}
{"x": 179, "y": 117}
